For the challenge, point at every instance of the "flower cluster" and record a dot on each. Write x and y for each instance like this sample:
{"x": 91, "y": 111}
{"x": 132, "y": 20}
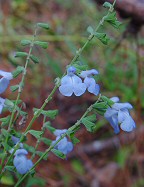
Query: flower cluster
{"x": 71, "y": 83}
{"x": 119, "y": 114}
{"x": 4, "y": 82}
{"x": 22, "y": 164}
{"x": 63, "y": 145}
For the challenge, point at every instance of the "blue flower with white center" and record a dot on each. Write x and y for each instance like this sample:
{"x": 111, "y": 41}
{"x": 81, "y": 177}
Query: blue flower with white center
{"x": 64, "y": 145}
{"x": 22, "y": 164}
{"x": 71, "y": 83}
{"x": 119, "y": 114}
{"x": 2, "y": 101}
{"x": 4, "y": 81}
{"x": 90, "y": 82}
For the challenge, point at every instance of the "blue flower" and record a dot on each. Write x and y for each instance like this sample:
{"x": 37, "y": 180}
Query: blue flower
{"x": 4, "y": 81}
{"x": 16, "y": 140}
{"x": 63, "y": 145}
{"x": 119, "y": 114}
{"x": 58, "y": 132}
{"x": 22, "y": 164}
{"x": 2, "y": 101}
{"x": 71, "y": 83}
{"x": 90, "y": 82}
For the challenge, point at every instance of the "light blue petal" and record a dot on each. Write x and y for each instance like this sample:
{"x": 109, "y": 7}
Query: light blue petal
{"x": 66, "y": 80}
{"x": 29, "y": 164}
{"x": 114, "y": 123}
{"x": 79, "y": 89}
{"x": 3, "y": 84}
{"x": 110, "y": 112}
{"x": 15, "y": 139}
{"x": 6, "y": 75}
{"x": 58, "y": 132}
{"x": 76, "y": 80}
{"x": 128, "y": 124}
{"x": 114, "y": 99}
{"x": 66, "y": 90}
{"x": 88, "y": 73}
{"x": 94, "y": 89}
{"x": 121, "y": 116}
{"x": 69, "y": 147}
{"x": 21, "y": 152}
{"x": 20, "y": 162}
{"x": 119, "y": 106}
{"x": 2, "y": 101}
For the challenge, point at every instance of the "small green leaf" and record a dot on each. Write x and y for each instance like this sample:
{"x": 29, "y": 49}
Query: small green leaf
{"x": 112, "y": 19}
{"x": 29, "y": 148}
{"x": 5, "y": 121}
{"x": 17, "y": 71}
{"x": 74, "y": 140}
{"x": 14, "y": 88}
{"x": 102, "y": 37}
{"x": 107, "y": 100}
{"x": 88, "y": 124}
{"x": 34, "y": 59}
{"x": 4, "y": 132}
{"x": 107, "y": 5}
{"x": 46, "y": 141}
{"x": 36, "y": 134}
{"x": 43, "y": 25}
{"x": 49, "y": 127}
{"x": 58, "y": 153}
{"x": 44, "y": 45}
{"x": 21, "y": 54}
{"x": 49, "y": 113}
{"x": 90, "y": 30}
{"x": 91, "y": 118}
{"x": 100, "y": 107}
{"x": 25, "y": 42}
{"x": 9, "y": 103}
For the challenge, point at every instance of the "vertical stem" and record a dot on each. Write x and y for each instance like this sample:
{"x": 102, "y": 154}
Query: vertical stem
{"x": 18, "y": 97}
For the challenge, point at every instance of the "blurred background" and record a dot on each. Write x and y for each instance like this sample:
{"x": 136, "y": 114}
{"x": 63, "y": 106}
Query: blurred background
{"x": 114, "y": 160}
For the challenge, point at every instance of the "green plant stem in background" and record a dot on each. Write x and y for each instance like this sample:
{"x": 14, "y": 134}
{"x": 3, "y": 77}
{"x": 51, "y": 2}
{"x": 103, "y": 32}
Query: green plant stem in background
{"x": 39, "y": 140}
{"x": 18, "y": 96}
{"x": 71, "y": 129}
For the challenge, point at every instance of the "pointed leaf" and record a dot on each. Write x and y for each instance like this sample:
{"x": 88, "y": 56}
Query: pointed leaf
{"x": 88, "y": 124}
{"x": 90, "y": 30}
{"x": 34, "y": 59}
{"x": 17, "y": 71}
{"x": 36, "y": 134}
{"x": 48, "y": 126}
{"x": 44, "y": 45}
{"x": 25, "y": 42}
{"x": 107, "y": 5}
{"x": 43, "y": 25}
{"x": 21, "y": 54}
{"x": 46, "y": 141}
{"x": 14, "y": 88}
{"x": 58, "y": 153}
{"x": 102, "y": 37}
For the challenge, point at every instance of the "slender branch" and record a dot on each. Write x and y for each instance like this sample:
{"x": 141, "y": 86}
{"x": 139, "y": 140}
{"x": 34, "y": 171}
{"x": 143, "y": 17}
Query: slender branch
{"x": 18, "y": 96}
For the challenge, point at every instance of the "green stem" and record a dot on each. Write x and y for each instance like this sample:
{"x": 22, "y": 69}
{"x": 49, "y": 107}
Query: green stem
{"x": 18, "y": 97}
{"x": 39, "y": 140}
